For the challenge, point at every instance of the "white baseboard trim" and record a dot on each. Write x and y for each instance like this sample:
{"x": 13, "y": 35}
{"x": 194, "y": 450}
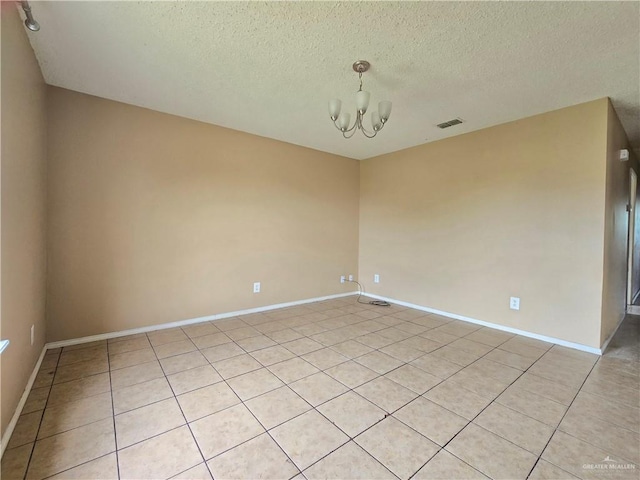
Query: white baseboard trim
{"x": 76, "y": 341}
{"x": 27, "y": 390}
{"x": 191, "y": 321}
{"x": 524, "y": 333}
{"x": 633, "y": 309}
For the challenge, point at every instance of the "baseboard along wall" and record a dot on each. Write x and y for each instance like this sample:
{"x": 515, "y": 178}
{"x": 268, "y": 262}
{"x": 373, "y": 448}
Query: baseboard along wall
{"x": 220, "y": 316}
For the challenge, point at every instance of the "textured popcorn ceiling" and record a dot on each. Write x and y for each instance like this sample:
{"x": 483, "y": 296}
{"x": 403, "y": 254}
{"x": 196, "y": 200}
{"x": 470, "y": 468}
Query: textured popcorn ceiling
{"x": 270, "y": 68}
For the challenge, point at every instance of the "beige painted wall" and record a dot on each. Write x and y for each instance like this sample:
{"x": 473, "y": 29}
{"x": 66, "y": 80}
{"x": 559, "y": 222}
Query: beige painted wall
{"x": 614, "y": 300}
{"x": 155, "y": 218}
{"x": 23, "y": 221}
{"x": 462, "y": 224}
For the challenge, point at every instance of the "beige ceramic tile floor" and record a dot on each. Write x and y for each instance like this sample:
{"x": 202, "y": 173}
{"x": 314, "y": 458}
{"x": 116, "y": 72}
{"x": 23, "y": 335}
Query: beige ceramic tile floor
{"x": 334, "y": 389}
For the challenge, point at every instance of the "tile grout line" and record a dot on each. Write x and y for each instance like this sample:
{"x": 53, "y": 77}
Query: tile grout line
{"x": 443, "y": 447}
{"x": 299, "y": 396}
{"x": 113, "y": 412}
{"x": 615, "y": 402}
{"x": 539, "y": 456}
{"x": 233, "y": 341}
{"x": 264, "y": 366}
{"x": 349, "y": 390}
{"x": 35, "y": 440}
{"x": 562, "y": 418}
{"x": 267, "y": 431}
{"x": 509, "y": 385}
{"x": 348, "y": 359}
{"x": 78, "y": 465}
{"x": 350, "y": 438}
{"x": 574, "y": 398}
{"x": 90, "y": 423}
{"x": 242, "y": 402}
{"x": 88, "y": 346}
{"x": 175, "y": 397}
{"x": 387, "y": 414}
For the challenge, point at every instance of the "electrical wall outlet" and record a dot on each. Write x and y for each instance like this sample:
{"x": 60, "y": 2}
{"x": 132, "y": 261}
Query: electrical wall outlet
{"x": 351, "y": 278}
{"x": 256, "y": 287}
{"x": 33, "y": 333}
{"x": 514, "y": 303}
{"x": 342, "y": 278}
{"x": 376, "y": 278}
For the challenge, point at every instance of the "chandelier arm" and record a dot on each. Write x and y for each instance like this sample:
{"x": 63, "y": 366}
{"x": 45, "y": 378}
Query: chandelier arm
{"x": 364, "y": 132}
{"x": 355, "y": 124}
{"x": 335, "y": 124}
{"x": 353, "y": 132}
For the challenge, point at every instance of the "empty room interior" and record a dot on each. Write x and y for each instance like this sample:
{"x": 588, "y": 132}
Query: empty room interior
{"x": 320, "y": 240}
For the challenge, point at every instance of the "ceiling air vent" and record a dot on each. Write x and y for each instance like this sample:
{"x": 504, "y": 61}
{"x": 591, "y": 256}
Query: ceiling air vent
{"x": 450, "y": 123}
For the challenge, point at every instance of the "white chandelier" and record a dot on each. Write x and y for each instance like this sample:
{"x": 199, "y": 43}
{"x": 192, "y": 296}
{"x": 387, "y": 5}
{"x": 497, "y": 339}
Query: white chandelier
{"x": 378, "y": 119}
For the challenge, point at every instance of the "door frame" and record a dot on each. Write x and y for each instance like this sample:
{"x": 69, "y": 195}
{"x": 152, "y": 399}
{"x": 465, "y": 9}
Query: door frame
{"x": 631, "y": 210}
